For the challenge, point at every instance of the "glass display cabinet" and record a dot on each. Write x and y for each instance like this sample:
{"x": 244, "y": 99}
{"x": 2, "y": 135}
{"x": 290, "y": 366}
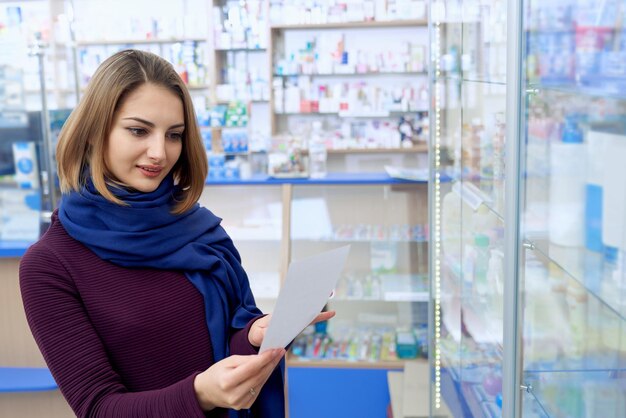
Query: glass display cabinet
{"x": 467, "y": 206}
{"x": 528, "y": 281}
{"x": 381, "y": 298}
{"x": 572, "y": 222}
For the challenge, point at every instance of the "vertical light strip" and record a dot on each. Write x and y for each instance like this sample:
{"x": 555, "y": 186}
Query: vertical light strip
{"x": 436, "y": 233}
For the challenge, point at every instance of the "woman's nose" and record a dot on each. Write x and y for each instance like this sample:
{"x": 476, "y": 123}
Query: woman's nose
{"x": 156, "y": 148}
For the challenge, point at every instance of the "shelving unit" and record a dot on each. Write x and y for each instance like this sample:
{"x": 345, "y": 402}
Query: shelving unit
{"x": 275, "y": 221}
{"x": 175, "y": 32}
{"x": 280, "y": 45}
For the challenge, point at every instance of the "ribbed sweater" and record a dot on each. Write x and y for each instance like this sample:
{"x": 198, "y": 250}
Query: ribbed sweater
{"x": 119, "y": 342}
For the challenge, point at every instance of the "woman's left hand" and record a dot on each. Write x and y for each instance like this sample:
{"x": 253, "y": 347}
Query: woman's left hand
{"x": 258, "y": 328}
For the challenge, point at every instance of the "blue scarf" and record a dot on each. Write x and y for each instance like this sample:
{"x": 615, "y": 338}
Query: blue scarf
{"x": 145, "y": 234}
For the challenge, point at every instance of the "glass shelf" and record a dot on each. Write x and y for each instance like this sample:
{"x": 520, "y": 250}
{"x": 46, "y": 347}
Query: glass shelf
{"x": 577, "y": 394}
{"x": 368, "y": 74}
{"x": 360, "y": 241}
{"x": 580, "y": 264}
{"x": 468, "y": 78}
{"x": 381, "y": 287}
{"x": 98, "y": 42}
{"x": 567, "y": 327}
{"x": 617, "y": 92}
{"x": 404, "y": 297}
{"x": 352, "y": 25}
{"x": 532, "y": 406}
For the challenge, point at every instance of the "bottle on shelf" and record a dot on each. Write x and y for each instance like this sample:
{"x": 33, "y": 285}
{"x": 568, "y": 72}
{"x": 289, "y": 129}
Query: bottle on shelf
{"x": 495, "y": 282}
{"x": 481, "y": 264}
{"x": 567, "y": 186}
{"x": 317, "y": 152}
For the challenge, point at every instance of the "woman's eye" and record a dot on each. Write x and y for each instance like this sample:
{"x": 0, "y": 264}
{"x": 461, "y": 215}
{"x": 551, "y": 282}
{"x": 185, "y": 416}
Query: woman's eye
{"x": 177, "y": 136}
{"x": 137, "y": 131}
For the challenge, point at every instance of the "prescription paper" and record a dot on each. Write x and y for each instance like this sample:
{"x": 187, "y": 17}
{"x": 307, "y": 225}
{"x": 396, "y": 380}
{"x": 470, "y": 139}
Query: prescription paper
{"x": 309, "y": 284}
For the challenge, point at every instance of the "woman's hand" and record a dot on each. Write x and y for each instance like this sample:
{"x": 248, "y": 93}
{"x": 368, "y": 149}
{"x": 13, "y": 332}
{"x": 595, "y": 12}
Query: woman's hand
{"x": 258, "y": 328}
{"x": 236, "y": 381}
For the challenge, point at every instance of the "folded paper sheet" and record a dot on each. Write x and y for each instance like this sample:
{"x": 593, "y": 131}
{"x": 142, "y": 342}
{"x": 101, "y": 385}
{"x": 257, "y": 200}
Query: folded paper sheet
{"x": 309, "y": 284}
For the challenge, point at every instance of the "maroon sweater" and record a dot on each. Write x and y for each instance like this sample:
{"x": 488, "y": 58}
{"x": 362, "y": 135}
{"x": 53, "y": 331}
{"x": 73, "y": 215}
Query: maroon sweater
{"x": 119, "y": 342}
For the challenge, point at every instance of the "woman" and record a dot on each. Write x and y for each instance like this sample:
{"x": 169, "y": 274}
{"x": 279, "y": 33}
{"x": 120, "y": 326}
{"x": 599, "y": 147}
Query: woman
{"x": 136, "y": 295}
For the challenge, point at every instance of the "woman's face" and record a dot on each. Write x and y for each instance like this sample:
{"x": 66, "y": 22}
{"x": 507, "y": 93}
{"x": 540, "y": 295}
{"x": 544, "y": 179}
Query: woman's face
{"x": 147, "y": 137}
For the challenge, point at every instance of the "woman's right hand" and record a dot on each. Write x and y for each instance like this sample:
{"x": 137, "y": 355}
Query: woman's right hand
{"x": 236, "y": 381}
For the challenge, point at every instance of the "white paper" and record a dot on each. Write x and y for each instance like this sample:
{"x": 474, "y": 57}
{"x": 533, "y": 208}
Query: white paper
{"x": 306, "y": 290}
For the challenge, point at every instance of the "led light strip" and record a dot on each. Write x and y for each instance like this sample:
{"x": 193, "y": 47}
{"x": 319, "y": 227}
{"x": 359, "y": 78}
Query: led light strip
{"x": 436, "y": 15}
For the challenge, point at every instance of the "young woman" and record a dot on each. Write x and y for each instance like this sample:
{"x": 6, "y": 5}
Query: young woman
{"x": 136, "y": 295}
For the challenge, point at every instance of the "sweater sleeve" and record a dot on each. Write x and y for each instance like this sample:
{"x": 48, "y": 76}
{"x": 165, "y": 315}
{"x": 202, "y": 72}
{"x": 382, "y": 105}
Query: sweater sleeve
{"x": 75, "y": 354}
{"x": 239, "y": 343}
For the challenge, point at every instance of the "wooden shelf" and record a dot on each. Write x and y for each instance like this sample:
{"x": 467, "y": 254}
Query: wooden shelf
{"x": 413, "y": 150}
{"x": 409, "y": 297}
{"x": 50, "y": 91}
{"x": 240, "y": 49}
{"x": 194, "y": 87}
{"x": 293, "y": 361}
{"x": 198, "y": 87}
{"x": 221, "y": 127}
{"x": 345, "y": 114}
{"x": 423, "y": 148}
{"x": 353, "y": 25}
{"x": 244, "y": 101}
{"x": 137, "y": 41}
{"x": 367, "y": 74}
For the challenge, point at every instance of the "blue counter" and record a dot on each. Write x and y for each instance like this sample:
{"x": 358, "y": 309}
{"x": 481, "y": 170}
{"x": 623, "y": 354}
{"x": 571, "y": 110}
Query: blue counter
{"x": 25, "y": 379}
{"x": 330, "y": 179}
{"x": 9, "y": 249}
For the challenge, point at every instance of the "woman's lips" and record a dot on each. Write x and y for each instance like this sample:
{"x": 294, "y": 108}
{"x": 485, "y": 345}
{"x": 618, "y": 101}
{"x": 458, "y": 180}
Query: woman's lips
{"x": 150, "y": 171}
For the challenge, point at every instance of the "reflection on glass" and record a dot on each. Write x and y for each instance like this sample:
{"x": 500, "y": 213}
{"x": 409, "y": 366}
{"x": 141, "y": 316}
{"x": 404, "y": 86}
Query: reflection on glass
{"x": 577, "y": 45}
{"x": 468, "y": 228}
{"x": 574, "y": 210}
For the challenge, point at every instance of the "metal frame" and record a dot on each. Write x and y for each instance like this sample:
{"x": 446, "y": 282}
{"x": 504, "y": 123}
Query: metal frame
{"x": 511, "y": 391}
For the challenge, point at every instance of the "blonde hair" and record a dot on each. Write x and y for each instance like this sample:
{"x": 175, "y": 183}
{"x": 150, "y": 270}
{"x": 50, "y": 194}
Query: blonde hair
{"x": 82, "y": 141}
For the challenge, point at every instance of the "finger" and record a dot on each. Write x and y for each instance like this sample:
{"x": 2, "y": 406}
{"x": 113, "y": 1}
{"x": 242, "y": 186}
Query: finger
{"x": 259, "y": 380}
{"x": 257, "y": 331}
{"x": 263, "y": 322}
{"x": 248, "y": 390}
{"x": 253, "y": 364}
{"x": 324, "y": 316}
